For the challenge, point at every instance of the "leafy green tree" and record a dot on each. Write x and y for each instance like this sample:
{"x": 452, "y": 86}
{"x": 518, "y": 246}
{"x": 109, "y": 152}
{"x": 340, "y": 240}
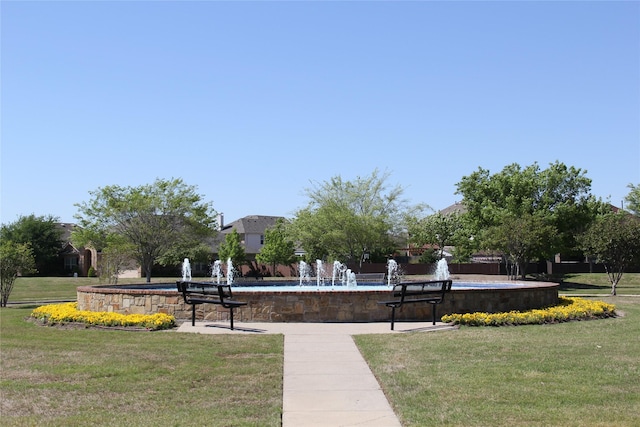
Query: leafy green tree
{"x": 344, "y": 220}
{"x": 17, "y": 259}
{"x": 43, "y": 236}
{"x": 162, "y": 222}
{"x": 614, "y": 241}
{"x": 438, "y": 229}
{"x": 522, "y": 239}
{"x": 633, "y": 199}
{"x": 559, "y": 194}
{"x": 278, "y": 248}
{"x": 232, "y": 249}
{"x": 117, "y": 255}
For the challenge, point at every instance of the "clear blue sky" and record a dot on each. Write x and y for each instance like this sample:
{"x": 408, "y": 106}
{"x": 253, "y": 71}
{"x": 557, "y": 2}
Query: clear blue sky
{"x": 251, "y": 102}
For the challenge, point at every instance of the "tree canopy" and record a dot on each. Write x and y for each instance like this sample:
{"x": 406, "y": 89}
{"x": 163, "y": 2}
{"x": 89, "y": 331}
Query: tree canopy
{"x": 633, "y": 199}
{"x": 438, "y": 229}
{"x": 344, "y": 220}
{"x": 558, "y": 197}
{"x": 17, "y": 258}
{"x": 278, "y": 248}
{"x": 163, "y": 222}
{"x": 232, "y": 249}
{"x": 521, "y": 239}
{"x": 614, "y": 241}
{"x": 43, "y": 236}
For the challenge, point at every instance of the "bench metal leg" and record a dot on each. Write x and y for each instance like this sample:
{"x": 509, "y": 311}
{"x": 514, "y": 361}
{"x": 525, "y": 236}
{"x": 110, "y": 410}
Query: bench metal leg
{"x": 231, "y": 317}
{"x": 193, "y": 315}
{"x": 433, "y": 313}
{"x": 393, "y": 316}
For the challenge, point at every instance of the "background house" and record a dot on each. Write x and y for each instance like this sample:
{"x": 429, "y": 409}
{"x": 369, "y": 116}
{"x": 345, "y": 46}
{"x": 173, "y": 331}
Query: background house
{"x": 251, "y": 230}
{"x": 72, "y": 259}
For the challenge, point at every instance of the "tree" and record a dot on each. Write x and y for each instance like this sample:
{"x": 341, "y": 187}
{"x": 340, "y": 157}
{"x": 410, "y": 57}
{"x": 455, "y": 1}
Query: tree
{"x": 613, "y": 240}
{"x": 232, "y": 249}
{"x": 163, "y": 222}
{"x": 117, "y": 254}
{"x": 438, "y": 229}
{"x": 633, "y": 199}
{"x": 559, "y": 194}
{"x": 278, "y": 248}
{"x": 16, "y": 259}
{"x": 521, "y": 239}
{"x": 344, "y": 220}
{"x": 43, "y": 236}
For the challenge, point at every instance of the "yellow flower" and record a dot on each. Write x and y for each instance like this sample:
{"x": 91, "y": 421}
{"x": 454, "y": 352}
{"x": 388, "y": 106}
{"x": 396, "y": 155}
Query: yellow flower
{"x": 567, "y": 309}
{"x": 68, "y": 312}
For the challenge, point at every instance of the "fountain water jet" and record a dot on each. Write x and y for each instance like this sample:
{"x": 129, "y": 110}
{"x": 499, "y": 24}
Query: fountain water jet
{"x": 230, "y": 271}
{"x": 305, "y": 273}
{"x": 319, "y": 273}
{"x": 216, "y": 272}
{"x": 351, "y": 279}
{"x": 442, "y": 270}
{"x": 186, "y": 270}
{"x": 392, "y": 271}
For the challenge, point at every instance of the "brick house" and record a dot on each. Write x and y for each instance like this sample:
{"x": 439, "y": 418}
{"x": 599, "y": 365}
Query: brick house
{"x": 251, "y": 230}
{"x": 73, "y": 259}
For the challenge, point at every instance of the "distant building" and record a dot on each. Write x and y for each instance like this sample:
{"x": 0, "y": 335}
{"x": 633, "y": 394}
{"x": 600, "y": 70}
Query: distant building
{"x": 251, "y": 230}
{"x": 74, "y": 259}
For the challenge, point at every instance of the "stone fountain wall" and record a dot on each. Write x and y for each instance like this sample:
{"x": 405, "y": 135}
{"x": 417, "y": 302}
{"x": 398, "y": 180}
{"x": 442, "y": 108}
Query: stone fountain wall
{"x": 314, "y": 306}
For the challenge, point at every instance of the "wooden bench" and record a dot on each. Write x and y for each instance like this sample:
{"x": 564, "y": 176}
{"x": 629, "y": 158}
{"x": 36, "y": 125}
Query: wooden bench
{"x": 431, "y": 292}
{"x": 208, "y": 293}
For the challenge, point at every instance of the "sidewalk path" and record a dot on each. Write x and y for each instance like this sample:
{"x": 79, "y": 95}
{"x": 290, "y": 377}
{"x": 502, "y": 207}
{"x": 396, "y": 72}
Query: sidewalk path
{"x": 326, "y": 380}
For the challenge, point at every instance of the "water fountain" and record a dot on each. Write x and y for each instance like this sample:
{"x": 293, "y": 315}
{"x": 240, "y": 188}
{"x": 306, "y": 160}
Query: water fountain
{"x": 339, "y": 270}
{"x": 288, "y": 302}
{"x": 230, "y": 271}
{"x": 442, "y": 270}
{"x": 216, "y": 272}
{"x": 351, "y": 279}
{"x": 319, "y": 273}
{"x": 186, "y": 270}
{"x": 392, "y": 271}
{"x": 305, "y": 273}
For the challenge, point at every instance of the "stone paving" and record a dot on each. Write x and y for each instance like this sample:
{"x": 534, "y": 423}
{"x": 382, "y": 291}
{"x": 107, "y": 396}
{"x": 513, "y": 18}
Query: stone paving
{"x": 326, "y": 380}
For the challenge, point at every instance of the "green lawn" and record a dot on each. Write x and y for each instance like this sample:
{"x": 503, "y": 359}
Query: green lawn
{"x": 34, "y": 289}
{"x": 598, "y": 284}
{"x": 571, "y": 374}
{"x": 82, "y": 377}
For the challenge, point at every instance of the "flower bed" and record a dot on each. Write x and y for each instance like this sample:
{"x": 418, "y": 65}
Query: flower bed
{"x": 566, "y": 310}
{"x": 69, "y": 313}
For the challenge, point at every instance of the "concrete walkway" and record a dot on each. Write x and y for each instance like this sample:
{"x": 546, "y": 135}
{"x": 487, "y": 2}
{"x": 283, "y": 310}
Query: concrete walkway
{"x": 326, "y": 380}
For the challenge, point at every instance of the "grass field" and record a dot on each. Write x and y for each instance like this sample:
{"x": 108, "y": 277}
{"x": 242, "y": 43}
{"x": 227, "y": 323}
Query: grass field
{"x": 571, "y": 374}
{"x": 34, "y": 289}
{"x": 86, "y": 377}
{"x": 598, "y": 284}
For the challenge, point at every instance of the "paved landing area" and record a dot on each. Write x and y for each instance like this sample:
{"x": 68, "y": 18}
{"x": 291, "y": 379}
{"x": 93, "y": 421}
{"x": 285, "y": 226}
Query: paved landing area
{"x": 243, "y": 328}
{"x": 326, "y": 380}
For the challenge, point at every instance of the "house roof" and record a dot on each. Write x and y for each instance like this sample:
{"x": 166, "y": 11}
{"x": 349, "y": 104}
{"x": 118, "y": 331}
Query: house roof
{"x": 457, "y": 207}
{"x": 252, "y": 224}
{"x": 66, "y": 228}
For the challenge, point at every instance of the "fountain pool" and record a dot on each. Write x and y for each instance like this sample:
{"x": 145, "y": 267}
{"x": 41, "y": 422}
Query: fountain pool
{"x": 294, "y": 303}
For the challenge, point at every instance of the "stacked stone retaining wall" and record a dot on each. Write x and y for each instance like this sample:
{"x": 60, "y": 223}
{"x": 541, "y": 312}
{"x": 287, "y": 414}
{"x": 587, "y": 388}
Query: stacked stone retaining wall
{"x": 314, "y": 306}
